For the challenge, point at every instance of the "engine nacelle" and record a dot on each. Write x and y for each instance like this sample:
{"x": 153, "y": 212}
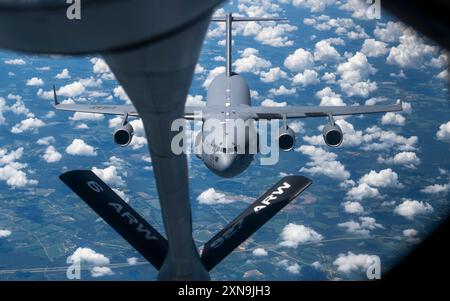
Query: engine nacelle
{"x": 332, "y": 135}
{"x": 286, "y": 140}
{"x": 124, "y": 134}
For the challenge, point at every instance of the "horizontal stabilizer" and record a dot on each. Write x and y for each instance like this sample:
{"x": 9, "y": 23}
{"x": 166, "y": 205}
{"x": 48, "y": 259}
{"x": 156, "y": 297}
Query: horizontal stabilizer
{"x": 255, "y": 216}
{"x": 118, "y": 214}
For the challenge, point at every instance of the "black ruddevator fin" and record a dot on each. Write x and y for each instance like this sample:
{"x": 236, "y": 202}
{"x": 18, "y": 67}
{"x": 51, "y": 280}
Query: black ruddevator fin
{"x": 256, "y": 215}
{"x": 118, "y": 214}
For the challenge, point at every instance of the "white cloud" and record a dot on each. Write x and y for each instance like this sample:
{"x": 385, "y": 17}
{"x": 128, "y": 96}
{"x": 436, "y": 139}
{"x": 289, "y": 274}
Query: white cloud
{"x": 120, "y": 93}
{"x": 51, "y": 155}
{"x": 308, "y": 77}
{"x": 353, "y": 207}
{"x": 323, "y": 162}
{"x": 297, "y": 126}
{"x": 443, "y": 134}
{"x": 101, "y": 271}
{"x": 354, "y": 76}
{"x": 393, "y": 119}
{"x": 323, "y": 51}
{"x": 383, "y": 178}
{"x": 88, "y": 256}
{"x": 391, "y": 32}
{"x": 99, "y": 66}
{"x": 273, "y": 75}
{"x": 329, "y": 98}
{"x": 109, "y": 175}
{"x": 411, "y": 208}
{"x": 251, "y": 62}
{"x": 259, "y": 252}
{"x": 293, "y": 269}
{"x": 212, "y": 197}
{"x": 374, "y": 48}
{"x": 363, "y": 227}
{"x": 313, "y": 5}
{"x": 300, "y": 60}
{"x": 410, "y": 233}
{"x": 15, "y": 62}
{"x": 411, "y": 52}
{"x": 199, "y": 69}
{"x": 132, "y": 261}
{"x": 64, "y": 74}
{"x": 274, "y": 36}
{"x": 80, "y": 148}
{"x": 293, "y": 235}
{"x": 362, "y": 191}
{"x": 46, "y": 140}
{"x": 436, "y": 188}
{"x": 270, "y": 103}
{"x": 35, "y": 81}
{"x": 376, "y": 139}
{"x": 27, "y": 125}
{"x": 86, "y": 116}
{"x": 443, "y": 74}
{"x": 5, "y": 233}
{"x": 282, "y": 90}
{"x": 350, "y": 262}
{"x": 407, "y": 159}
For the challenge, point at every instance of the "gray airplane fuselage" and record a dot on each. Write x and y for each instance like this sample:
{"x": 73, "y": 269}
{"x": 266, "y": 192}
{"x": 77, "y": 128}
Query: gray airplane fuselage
{"x": 221, "y": 149}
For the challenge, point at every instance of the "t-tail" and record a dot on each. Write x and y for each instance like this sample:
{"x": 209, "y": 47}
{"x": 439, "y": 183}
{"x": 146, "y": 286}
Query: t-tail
{"x": 229, "y": 19}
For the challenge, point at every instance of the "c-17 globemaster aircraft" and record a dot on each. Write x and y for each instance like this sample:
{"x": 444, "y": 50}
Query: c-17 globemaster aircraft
{"x": 152, "y": 47}
{"x": 228, "y": 100}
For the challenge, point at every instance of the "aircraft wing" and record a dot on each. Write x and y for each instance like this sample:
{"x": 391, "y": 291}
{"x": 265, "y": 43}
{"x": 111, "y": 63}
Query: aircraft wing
{"x": 317, "y": 111}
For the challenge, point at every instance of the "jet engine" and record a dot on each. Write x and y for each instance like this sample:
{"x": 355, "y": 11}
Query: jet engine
{"x": 286, "y": 140}
{"x": 332, "y": 135}
{"x": 123, "y": 134}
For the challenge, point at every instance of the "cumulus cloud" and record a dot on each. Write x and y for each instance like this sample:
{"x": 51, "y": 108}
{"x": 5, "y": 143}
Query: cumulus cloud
{"x": 132, "y": 261}
{"x": 211, "y": 197}
{"x": 354, "y": 76}
{"x": 35, "y": 81}
{"x": 383, "y": 178}
{"x": 97, "y": 261}
{"x": 80, "y": 148}
{"x": 391, "y": 32}
{"x": 196, "y": 100}
{"x": 436, "y": 188}
{"x": 443, "y": 134}
{"x": 271, "y": 103}
{"x": 51, "y": 155}
{"x": 391, "y": 118}
{"x": 282, "y": 90}
{"x": 300, "y": 60}
{"x": 329, "y": 98}
{"x": 350, "y": 262}
{"x": 15, "y": 62}
{"x": 5, "y": 233}
{"x": 274, "y": 36}
{"x": 313, "y": 5}
{"x": 27, "y": 125}
{"x": 64, "y": 74}
{"x": 362, "y": 191}
{"x": 324, "y": 163}
{"x": 251, "y": 62}
{"x": 353, "y": 207}
{"x": 307, "y": 78}
{"x": 11, "y": 171}
{"x": 363, "y": 227}
{"x": 374, "y": 48}
{"x": 46, "y": 140}
{"x": 323, "y": 51}
{"x": 293, "y": 235}
{"x": 259, "y": 252}
{"x": 109, "y": 175}
{"x": 411, "y": 52}
{"x": 410, "y": 208}
{"x": 274, "y": 74}
{"x": 406, "y": 159}
{"x": 376, "y": 139}
{"x": 120, "y": 93}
